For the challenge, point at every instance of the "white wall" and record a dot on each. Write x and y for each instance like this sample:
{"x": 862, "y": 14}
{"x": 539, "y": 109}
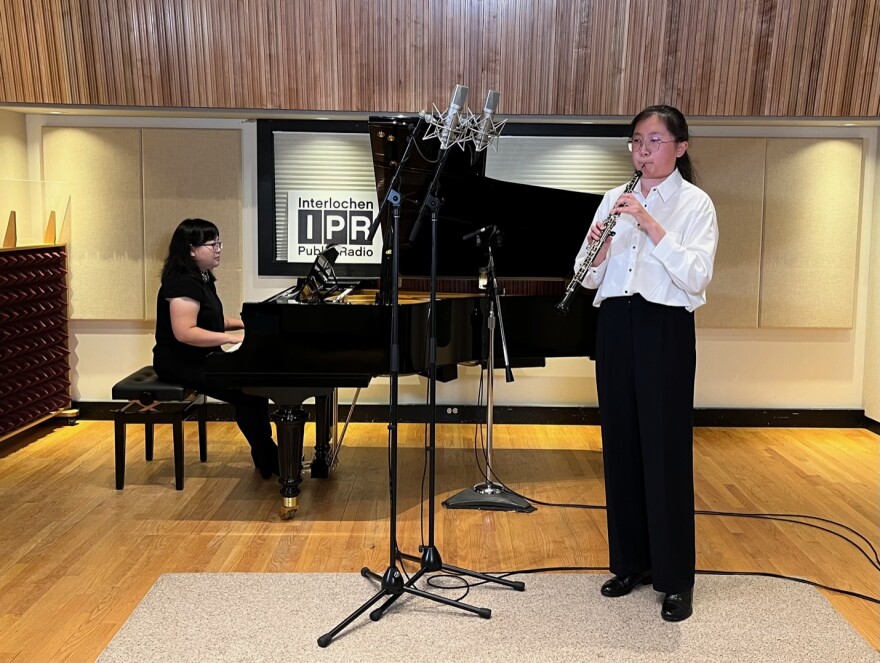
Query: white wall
{"x": 872, "y": 350}
{"x": 736, "y": 368}
{"x": 15, "y": 189}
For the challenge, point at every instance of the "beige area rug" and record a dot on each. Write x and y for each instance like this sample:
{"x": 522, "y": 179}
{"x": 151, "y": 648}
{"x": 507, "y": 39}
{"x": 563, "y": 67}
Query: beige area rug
{"x": 559, "y": 617}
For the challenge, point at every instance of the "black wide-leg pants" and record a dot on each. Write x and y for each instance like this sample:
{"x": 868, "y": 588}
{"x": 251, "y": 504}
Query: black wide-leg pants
{"x": 251, "y": 412}
{"x": 645, "y": 367}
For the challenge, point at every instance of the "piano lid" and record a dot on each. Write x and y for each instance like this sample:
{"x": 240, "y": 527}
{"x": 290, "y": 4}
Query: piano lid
{"x": 541, "y": 228}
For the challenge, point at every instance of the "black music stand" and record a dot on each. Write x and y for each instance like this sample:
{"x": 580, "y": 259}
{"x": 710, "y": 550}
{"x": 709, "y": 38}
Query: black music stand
{"x": 489, "y": 495}
{"x": 321, "y": 281}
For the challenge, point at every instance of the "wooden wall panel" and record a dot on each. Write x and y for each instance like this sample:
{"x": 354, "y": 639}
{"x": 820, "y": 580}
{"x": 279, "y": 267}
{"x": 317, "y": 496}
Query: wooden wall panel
{"x": 731, "y": 171}
{"x": 193, "y": 173}
{"x": 103, "y": 170}
{"x": 801, "y": 58}
{"x": 809, "y": 259}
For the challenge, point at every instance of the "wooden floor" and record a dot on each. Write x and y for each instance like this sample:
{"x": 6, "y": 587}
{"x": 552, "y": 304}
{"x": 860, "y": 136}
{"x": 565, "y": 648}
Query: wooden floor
{"x": 76, "y": 556}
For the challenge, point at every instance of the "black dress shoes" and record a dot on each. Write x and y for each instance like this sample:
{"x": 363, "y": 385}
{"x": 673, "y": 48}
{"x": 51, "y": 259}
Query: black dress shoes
{"x": 677, "y": 607}
{"x": 623, "y": 585}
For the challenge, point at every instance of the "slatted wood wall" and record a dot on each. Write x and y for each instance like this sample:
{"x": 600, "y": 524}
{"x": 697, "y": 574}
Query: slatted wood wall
{"x": 809, "y": 58}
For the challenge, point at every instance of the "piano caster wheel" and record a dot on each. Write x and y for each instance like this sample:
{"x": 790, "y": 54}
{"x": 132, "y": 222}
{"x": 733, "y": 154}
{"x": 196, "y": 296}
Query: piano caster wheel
{"x": 289, "y": 507}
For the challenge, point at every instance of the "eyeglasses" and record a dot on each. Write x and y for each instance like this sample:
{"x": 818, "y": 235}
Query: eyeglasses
{"x": 214, "y": 246}
{"x": 653, "y": 144}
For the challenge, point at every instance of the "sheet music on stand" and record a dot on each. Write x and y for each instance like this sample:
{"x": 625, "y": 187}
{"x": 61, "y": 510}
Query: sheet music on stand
{"x": 320, "y": 284}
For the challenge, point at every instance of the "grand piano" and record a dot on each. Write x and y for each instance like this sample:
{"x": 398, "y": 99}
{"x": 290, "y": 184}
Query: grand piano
{"x": 294, "y": 351}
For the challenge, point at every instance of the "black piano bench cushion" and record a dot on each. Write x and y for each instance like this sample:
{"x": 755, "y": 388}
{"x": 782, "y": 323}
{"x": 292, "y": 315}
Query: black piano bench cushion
{"x": 144, "y": 385}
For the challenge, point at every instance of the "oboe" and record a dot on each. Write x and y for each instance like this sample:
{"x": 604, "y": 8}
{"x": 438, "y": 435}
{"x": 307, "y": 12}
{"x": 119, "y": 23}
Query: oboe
{"x": 593, "y": 250}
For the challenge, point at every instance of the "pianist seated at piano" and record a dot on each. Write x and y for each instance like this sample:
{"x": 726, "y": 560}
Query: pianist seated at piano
{"x": 190, "y": 324}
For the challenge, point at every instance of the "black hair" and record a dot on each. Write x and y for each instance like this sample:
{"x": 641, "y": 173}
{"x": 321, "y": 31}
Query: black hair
{"x": 678, "y": 127}
{"x": 189, "y": 233}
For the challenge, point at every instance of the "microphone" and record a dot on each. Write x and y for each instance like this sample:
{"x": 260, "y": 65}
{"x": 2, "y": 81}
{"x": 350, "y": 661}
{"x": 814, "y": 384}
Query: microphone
{"x": 485, "y": 130}
{"x": 448, "y": 126}
{"x": 479, "y": 232}
{"x": 451, "y": 130}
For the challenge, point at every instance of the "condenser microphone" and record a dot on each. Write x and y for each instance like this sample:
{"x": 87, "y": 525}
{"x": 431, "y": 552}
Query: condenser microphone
{"x": 485, "y": 129}
{"x": 449, "y": 126}
{"x": 449, "y": 134}
{"x": 452, "y": 130}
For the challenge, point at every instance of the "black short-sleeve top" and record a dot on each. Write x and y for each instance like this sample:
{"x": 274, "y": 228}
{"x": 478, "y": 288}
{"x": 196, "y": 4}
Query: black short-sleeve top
{"x": 169, "y": 354}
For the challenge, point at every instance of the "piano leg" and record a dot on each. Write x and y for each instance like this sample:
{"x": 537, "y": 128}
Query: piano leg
{"x": 290, "y": 421}
{"x": 321, "y": 462}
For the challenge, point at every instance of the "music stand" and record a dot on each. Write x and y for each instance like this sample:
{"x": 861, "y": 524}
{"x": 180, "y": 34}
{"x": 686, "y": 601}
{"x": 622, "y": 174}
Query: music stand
{"x": 489, "y": 495}
{"x": 319, "y": 284}
{"x": 321, "y": 280}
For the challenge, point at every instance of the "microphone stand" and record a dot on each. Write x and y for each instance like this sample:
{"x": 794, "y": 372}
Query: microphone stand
{"x": 489, "y": 495}
{"x": 386, "y": 275}
{"x": 430, "y": 559}
{"x": 391, "y": 582}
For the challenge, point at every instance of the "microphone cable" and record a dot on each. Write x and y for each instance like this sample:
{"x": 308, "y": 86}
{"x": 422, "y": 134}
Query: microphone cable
{"x": 781, "y": 517}
{"x": 464, "y": 584}
{"x": 424, "y": 156}
{"x": 872, "y": 557}
{"x": 467, "y": 585}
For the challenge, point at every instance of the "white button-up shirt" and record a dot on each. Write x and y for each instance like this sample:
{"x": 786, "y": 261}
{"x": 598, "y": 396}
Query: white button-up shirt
{"x": 674, "y": 272}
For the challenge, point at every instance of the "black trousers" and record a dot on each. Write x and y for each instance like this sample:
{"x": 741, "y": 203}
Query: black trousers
{"x": 251, "y": 412}
{"x": 645, "y": 367}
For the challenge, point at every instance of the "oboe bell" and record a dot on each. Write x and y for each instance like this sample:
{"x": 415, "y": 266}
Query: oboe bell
{"x": 593, "y": 250}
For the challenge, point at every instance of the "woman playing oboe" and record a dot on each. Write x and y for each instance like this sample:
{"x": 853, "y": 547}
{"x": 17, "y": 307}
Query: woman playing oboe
{"x": 649, "y": 278}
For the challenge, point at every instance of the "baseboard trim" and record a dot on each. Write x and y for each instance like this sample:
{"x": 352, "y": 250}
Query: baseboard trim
{"x": 579, "y": 416}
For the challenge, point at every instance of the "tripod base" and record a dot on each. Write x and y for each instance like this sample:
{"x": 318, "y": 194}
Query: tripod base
{"x": 393, "y": 588}
{"x": 489, "y": 497}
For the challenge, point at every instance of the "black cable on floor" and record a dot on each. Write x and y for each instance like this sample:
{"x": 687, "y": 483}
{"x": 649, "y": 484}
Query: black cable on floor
{"x": 792, "y": 518}
{"x": 781, "y": 517}
{"x": 505, "y": 574}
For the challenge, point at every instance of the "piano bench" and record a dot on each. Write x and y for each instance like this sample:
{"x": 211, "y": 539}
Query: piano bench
{"x": 150, "y": 402}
